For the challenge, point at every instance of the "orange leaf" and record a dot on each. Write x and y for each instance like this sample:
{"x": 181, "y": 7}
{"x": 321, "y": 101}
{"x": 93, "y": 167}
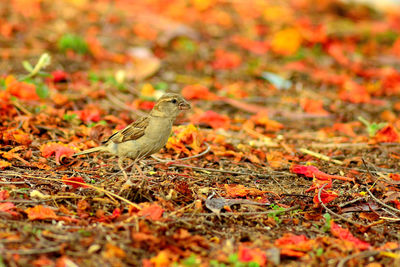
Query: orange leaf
{"x": 233, "y": 190}
{"x": 344, "y": 234}
{"x": 345, "y": 128}
{"x": 286, "y": 42}
{"x": 313, "y": 106}
{"x": 22, "y": 90}
{"x": 153, "y": 212}
{"x": 294, "y": 245}
{"x": 163, "y": 259}
{"x": 4, "y": 164}
{"x": 40, "y": 213}
{"x": 238, "y": 190}
{"x": 113, "y": 251}
{"x": 261, "y": 118}
{"x": 354, "y": 93}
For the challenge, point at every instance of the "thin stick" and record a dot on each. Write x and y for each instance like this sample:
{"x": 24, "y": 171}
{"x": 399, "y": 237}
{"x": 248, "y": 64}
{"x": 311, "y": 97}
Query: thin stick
{"x": 364, "y": 254}
{"x": 380, "y": 202}
{"x": 247, "y": 213}
{"x": 84, "y": 184}
{"x": 320, "y": 156}
{"x": 182, "y": 159}
{"x": 332, "y": 212}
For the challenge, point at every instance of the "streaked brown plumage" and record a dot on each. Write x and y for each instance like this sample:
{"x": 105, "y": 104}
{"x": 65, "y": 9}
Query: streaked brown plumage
{"x": 147, "y": 135}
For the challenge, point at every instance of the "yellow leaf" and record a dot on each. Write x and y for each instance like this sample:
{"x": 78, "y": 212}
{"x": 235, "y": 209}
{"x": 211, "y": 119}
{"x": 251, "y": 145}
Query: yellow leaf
{"x": 286, "y": 42}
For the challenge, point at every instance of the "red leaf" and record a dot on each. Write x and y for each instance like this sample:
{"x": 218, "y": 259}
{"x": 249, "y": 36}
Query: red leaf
{"x": 153, "y": 212}
{"x": 326, "y": 197}
{"x": 387, "y": 134}
{"x": 212, "y": 119}
{"x": 58, "y": 149}
{"x": 312, "y": 171}
{"x": 6, "y": 206}
{"x": 226, "y": 60}
{"x": 336, "y": 50}
{"x": 4, "y": 195}
{"x": 197, "y": 91}
{"x": 71, "y": 180}
{"x": 40, "y": 213}
{"x": 90, "y": 114}
{"x": 146, "y": 105}
{"x": 256, "y": 47}
{"x": 344, "y": 234}
{"x": 246, "y": 254}
{"x": 59, "y": 76}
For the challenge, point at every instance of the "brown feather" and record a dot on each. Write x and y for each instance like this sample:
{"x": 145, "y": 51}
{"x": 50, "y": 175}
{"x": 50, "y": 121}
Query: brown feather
{"x": 133, "y": 131}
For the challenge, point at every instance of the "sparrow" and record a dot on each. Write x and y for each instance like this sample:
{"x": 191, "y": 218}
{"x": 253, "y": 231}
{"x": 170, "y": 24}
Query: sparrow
{"x": 145, "y": 136}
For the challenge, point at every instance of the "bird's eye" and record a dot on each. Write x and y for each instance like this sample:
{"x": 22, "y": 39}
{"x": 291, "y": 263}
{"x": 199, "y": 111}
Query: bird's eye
{"x": 174, "y": 101}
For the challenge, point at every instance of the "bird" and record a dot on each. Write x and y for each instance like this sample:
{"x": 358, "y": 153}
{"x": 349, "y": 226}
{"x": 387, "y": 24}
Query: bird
{"x": 146, "y": 135}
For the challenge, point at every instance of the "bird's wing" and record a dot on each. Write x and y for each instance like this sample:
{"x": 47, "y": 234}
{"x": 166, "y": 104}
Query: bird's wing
{"x": 133, "y": 131}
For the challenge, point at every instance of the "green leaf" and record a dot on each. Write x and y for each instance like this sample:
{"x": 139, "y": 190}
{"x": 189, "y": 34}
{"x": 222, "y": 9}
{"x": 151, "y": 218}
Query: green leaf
{"x": 42, "y": 90}
{"x": 27, "y": 66}
{"x": 161, "y": 86}
{"x": 69, "y": 117}
{"x": 73, "y": 42}
{"x": 372, "y": 128}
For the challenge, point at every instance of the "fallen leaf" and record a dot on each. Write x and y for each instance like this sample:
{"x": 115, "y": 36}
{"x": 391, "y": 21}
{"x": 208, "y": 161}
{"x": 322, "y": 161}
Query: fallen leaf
{"x": 387, "y": 134}
{"x": 197, "y": 91}
{"x": 257, "y": 255}
{"x": 286, "y": 42}
{"x": 212, "y": 119}
{"x": 153, "y": 212}
{"x": 225, "y": 60}
{"x": 58, "y": 149}
{"x": 40, "y": 212}
{"x": 344, "y": 234}
{"x": 70, "y": 181}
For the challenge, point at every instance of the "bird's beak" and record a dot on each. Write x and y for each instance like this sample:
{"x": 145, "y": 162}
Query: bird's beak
{"x": 184, "y": 105}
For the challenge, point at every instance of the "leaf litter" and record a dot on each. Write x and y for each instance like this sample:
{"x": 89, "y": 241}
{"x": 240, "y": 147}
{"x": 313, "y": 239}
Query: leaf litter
{"x": 289, "y": 155}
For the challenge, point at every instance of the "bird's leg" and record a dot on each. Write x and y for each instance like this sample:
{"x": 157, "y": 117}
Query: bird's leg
{"x": 141, "y": 174}
{"x": 120, "y": 165}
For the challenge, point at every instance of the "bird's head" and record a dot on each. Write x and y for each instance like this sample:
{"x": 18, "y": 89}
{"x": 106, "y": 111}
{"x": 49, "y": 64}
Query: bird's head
{"x": 169, "y": 105}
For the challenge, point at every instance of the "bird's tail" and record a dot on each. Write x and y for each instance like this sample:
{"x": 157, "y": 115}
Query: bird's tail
{"x": 91, "y": 150}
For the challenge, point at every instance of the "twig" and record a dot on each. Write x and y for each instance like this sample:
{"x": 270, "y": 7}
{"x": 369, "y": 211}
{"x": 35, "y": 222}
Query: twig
{"x": 31, "y": 251}
{"x": 84, "y": 184}
{"x": 182, "y": 159}
{"x": 320, "y": 156}
{"x": 380, "y": 202}
{"x": 334, "y": 213}
{"x": 363, "y": 254}
{"x": 248, "y": 213}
